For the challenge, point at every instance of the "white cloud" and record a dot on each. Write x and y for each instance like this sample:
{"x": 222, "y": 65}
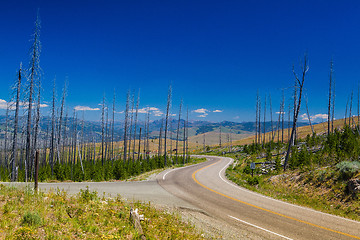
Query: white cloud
{"x": 316, "y": 117}
{"x": 319, "y": 116}
{"x": 218, "y": 111}
{"x": 172, "y": 115}
{"x": 201, "y": 110}
{"x": 280, "y": 112}
{"x": 3, "y": 104}
{"x": 153, "y": 110}
{"x": 157, "y": 113}
{"x": 203, "y": 115}
{"x": 85, "y": 108}
{"x": 237, "y": 117}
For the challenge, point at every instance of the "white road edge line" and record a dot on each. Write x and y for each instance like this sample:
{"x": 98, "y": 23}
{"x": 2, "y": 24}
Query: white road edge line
{"x": 176, "y": 169}
{"x": 259, "y": 227}
{"x": 276, "y": 200}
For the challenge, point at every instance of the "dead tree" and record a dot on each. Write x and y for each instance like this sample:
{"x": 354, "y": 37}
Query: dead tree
{"x": 333, "y": 107}
{"x": 220, "y": 135}
{"x": 308, "y": 114}
{"x": 346, "y": 109}
{"x": 257, "y": 118}
{"x": 187, "y": 134}
{"x": 131, "y": 123}
{"x": 271, "y": 119}
{"x": 168, "y": 106}
{"x": 15, "y": 128}
{"x": 36, "y": 127}
{"x": 300, "y": 83}
{"x": 177, "y": 132}
{"x": 160, "y": 138}
{"x": 330, "y": 92}
{"x": 139, "y": 144}
{"x": 264, "y": 126}
{"x": 136, "y": 120}
{"x": 33, "y": 76}
{"x": 112, "y": 129}
{"x": 126, "y": 125}
{"x": 52, "y": 137}
{"x": 282, "y": 116}
{"x": 350, "y": 108}
{"x": 61, "y": 116}
{"x": 102, "y": 129}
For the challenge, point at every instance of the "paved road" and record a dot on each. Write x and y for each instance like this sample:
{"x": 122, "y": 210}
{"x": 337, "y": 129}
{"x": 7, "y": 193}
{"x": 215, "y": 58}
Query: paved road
{"x": 205, "y": 187}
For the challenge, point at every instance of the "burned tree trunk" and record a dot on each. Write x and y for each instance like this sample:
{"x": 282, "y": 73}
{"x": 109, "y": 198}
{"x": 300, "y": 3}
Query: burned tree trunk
{"x": 300, "y": 82}
{"x": 168, "y": 105}
{"x": 177, "y": 133}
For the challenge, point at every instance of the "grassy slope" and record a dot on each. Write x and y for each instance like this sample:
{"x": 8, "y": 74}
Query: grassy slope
{"x": 302, "y": 132}
{"x": 25, "y": 215}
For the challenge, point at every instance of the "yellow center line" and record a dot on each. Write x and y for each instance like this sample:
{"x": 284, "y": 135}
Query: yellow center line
{"x": 264, "y": 209}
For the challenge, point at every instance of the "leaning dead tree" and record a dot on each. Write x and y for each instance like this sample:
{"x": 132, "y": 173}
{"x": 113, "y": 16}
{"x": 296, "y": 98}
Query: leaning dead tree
{"x": 300, "y": 82}
{"x": 168, "y": 105}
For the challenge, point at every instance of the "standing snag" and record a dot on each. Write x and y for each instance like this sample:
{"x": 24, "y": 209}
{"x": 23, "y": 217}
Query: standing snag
{"x": 300, "y": 83}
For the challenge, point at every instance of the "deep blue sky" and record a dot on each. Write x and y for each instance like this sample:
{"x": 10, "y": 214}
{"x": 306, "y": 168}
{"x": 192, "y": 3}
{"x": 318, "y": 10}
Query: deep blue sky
{"x": 216, "y": 54}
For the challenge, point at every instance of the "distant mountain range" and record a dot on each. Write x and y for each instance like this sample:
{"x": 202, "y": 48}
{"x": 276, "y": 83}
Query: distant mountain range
{"x": 92, "y": 129}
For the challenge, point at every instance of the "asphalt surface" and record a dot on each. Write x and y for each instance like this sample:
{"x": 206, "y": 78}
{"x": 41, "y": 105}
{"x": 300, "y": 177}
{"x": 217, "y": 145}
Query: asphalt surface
{"x": 205, "y": 187}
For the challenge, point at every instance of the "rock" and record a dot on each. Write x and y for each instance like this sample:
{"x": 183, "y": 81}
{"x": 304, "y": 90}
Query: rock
{"x": 354, "y": 185}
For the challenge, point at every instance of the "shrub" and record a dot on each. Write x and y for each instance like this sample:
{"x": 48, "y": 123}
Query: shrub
{"x": 87, "y": 196}
{"x": 253, "y": 180}
{"x": 31, "y": 219}
{"x": 348, "y": 169}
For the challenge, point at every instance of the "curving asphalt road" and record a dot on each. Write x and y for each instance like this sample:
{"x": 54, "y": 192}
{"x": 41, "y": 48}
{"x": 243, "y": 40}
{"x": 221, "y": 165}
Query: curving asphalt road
{"x": 205, "y": 186}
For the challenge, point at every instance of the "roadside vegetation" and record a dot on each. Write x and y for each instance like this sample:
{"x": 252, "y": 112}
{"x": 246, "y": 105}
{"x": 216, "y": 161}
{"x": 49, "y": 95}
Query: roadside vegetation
{"x": 96, "y": 171}
{"x": 323, "y": 171}
{"x": 87, "y": 215}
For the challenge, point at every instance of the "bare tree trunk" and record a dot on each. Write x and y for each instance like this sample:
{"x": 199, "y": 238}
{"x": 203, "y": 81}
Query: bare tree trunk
{"x": 16, "y": 122}
{"x": 264, "y": 122}
{"x": 126, "y": 125}
{"x": 139, "y": 144}
{"x": 160, "y": 136}
{"x": 6, "y": 134}
{"x": 350, "y": 110}
{"x": 305, "y": 68}
{"x": 177, "y": 133}
{"x": 282, "y": 116}
{"x": 184, "y": 144}
{"x": 187, "y": 134}
{"x": 220, "y": 136}
{"x": 131, "y": 123}
{"x": 33, "y": 76}
{"x": 61, "y": 117}
{"x": 259, "y": 122}
{"x": 102, "y": 130}
{"x": 271, "y": 119}
{"x": 52, "y": 142}
{"x": 168, "y": 106}
{"x": 257, "y": 118}
{"x": 346, "y": 109}
{"x": 333, "y": 107}
{"x": 136, "y": 119}
{"x": 307, "y": 110}
{"x": 330, "y": 91}
{"x": 112, "y": 129}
